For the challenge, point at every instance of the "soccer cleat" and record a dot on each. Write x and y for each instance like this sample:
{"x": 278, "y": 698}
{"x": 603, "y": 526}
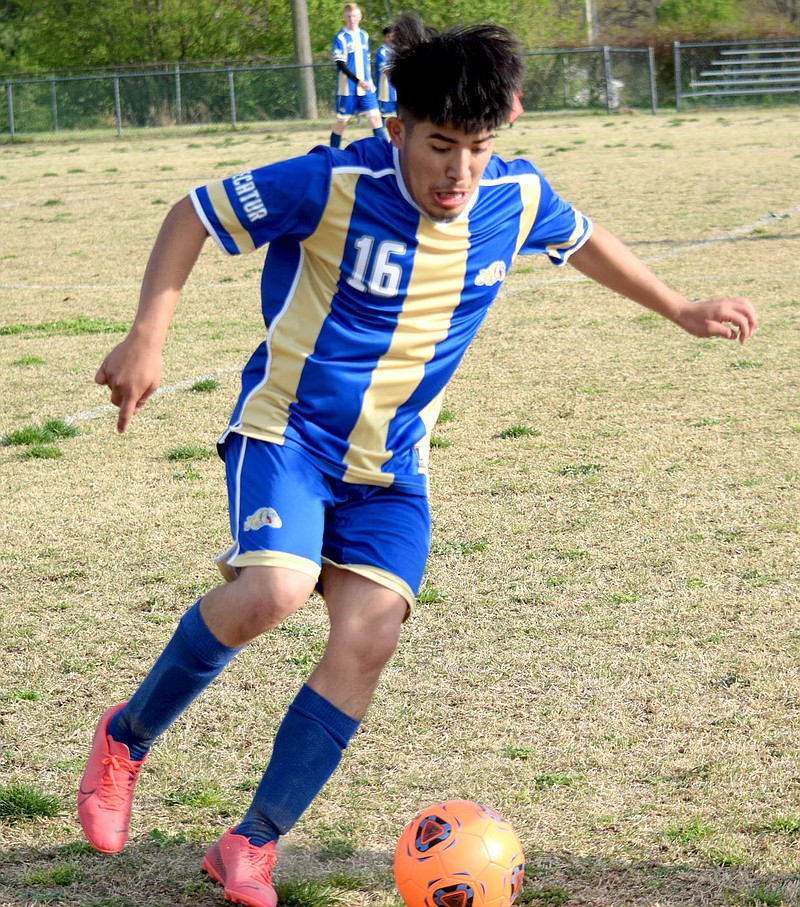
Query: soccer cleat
{"x": 106, "y": 790}
{"x": 243, "y": 870}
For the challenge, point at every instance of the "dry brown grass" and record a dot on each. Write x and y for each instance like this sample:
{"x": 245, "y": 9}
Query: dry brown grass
{"x": 612, "y": 661}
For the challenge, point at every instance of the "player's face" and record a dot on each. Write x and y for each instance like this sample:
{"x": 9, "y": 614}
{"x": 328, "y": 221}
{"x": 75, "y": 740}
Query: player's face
{"x": 351, "y": 18}
{"x": 441, "y": 166}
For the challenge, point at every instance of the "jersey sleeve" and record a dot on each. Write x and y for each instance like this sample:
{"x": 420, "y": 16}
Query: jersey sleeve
{"x": 248, "y": 210}
{"x": 339, "y": 49}
{"x": 558, "y": 229}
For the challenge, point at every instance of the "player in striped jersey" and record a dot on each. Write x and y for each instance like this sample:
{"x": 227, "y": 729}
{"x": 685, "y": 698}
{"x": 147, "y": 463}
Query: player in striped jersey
{"x": 387, "y": 96}
{"x": 383, "y": 261}
{"x": 355, "y": 91}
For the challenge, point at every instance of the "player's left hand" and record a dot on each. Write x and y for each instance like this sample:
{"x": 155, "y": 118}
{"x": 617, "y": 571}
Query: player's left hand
{"x": 731, "y": 317}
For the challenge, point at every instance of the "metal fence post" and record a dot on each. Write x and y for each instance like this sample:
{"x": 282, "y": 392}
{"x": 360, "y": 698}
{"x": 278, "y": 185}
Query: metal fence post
{"x": 54, "y": 101}
{"x": 607, "y": 75}
{"x": 651, "y": 57}
{"x": 117, "y": 107}
{"x": 232, "y": 95}
{"x": 178, "y": 113}
{"x": 10, "y": 102}
{"x": 676, "y": 55}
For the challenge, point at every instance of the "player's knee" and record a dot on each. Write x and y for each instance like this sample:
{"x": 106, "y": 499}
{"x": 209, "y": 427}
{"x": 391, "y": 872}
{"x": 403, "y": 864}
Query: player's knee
{"x": 376, "y": 642}
{"x": 266, "y": 597}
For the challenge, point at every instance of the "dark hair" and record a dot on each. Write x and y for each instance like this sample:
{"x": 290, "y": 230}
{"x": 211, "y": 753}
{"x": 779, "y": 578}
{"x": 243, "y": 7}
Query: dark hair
{"x": 465, "y": 77}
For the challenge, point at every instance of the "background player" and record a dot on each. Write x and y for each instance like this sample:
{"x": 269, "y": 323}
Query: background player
{"x": 382, "y": 262}
{"x": 355, "y": 92}
{"x": 387, "y": 96}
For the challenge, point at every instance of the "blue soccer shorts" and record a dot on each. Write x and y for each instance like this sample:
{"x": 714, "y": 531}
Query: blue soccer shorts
{"x": 285, "y": 512}
{"x": 348, "y": 104}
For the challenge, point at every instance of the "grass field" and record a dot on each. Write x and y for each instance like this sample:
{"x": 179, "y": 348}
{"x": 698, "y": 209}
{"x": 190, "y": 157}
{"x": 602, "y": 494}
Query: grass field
{"x": 606, "y": 647}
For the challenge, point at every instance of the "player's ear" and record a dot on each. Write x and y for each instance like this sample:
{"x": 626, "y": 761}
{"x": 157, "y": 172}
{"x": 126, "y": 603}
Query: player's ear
{"x": 397, "y": 131}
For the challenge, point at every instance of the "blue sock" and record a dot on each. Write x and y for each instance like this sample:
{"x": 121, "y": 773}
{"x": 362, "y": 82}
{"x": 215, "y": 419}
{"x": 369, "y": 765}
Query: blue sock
{"x": 188, "y": 664}
{"x": 308, "y": 747}
{"x": 336, "y": 140}
{"x": 381, "y": 133}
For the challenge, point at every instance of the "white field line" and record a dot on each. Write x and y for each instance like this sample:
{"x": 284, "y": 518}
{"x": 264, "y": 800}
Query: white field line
{"x": 106, "y": 408}
{"x": 99, "y": 411}
{"x": 674, "y": 252}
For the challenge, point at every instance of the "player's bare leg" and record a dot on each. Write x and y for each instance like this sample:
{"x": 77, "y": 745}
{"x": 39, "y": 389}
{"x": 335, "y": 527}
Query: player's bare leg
{"x": 258, "y": 600}
{"x": 327, "y": 711}
{"x": 207, "y": 638}
{"x": 365, "y": 627}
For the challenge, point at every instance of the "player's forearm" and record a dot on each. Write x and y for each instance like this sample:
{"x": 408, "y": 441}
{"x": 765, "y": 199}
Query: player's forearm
{"x": 344, "y": 68}
{"x": 608, "y": 261}
{"x": 174, "y": 254}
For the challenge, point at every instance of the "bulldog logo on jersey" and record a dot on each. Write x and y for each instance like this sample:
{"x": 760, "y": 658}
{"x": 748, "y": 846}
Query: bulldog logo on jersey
{"x": 264, "y": 516}
{"x": 495, "y": 273}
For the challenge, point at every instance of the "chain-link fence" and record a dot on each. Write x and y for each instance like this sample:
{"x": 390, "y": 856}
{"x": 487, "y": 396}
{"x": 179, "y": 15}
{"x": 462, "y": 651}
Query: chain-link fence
{"x": 604, "y": 78}
{"x": 742, "y": 72}
{"x": 158, "y": 98}
{"x": 167, "y": 97}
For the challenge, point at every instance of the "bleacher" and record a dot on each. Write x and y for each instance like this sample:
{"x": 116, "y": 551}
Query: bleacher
{"x": 747, "y": 70}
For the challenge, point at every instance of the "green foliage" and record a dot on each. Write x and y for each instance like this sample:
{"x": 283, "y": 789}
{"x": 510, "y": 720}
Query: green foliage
{"x": 695, "y": 16}
{"x": 50, "y": 35}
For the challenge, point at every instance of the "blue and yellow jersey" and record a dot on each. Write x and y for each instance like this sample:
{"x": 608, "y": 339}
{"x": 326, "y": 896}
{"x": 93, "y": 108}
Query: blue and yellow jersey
{"x": 352, "y": 49}
{"x": 385, "y": 89}
{"x": 369, "y": 305}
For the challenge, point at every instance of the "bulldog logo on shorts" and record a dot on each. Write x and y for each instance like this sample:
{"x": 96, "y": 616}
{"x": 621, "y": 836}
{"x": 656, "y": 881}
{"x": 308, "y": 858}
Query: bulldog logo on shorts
{"x": 264, "y": 516}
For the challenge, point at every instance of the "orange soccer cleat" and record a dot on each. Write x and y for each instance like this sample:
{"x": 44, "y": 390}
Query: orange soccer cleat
{"x": 106, "y": 790}
{"x": 243, "y": 870}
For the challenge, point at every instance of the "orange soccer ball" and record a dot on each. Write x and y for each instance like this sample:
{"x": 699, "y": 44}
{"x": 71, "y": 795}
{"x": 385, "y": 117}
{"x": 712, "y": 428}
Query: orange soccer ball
{"x": 458, "y": 854}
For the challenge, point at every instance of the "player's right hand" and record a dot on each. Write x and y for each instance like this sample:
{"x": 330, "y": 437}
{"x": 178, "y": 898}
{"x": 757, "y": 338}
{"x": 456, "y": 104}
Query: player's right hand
{"x": 132, "y": 373}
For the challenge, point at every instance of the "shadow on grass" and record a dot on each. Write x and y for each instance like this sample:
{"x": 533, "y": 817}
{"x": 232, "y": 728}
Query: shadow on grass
{"x": 148, "y": 874}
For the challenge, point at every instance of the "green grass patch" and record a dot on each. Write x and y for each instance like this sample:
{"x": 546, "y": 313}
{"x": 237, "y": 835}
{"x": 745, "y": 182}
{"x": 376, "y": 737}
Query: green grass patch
{"x": 204, "y": 385}
{"x": 39, "y": 451}
{"x": 61, "y": 875}
{"x": 688, "y": 833}
{"x": 578, "y": 470}
{"x": 187, "y": 474}
{"x": 308, "y": 893}
{"x": 29, "y": 360}
{"x": 543, "y": 897}
{"x": 518, "y": 752}
{"x": 202, "y": 796}
{"x": 23, "y": 801}
{"x": 65, "y": 327}
{"x": 763, "y": 897}
{"x": 444, "y": 548}
{"x": 429, "y": 595}
{"x": 52, "y": 430}
{"x": 338, "y": 840}
{"x": 783, "y": 825}
{"x": 518, "y": 431}
{"x": 20, "y": 696}
{"x": 189, "y": 452}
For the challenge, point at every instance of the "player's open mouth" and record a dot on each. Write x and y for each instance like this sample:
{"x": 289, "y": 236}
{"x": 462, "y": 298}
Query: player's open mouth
{"x": 450, "y": 199}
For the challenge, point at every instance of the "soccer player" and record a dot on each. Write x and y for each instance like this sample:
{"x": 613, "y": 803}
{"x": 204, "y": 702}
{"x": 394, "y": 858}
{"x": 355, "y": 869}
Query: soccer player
{"x": 387, "y": 96}
{"x": 383, "y": 260}
{"x": 355, "y": 92}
